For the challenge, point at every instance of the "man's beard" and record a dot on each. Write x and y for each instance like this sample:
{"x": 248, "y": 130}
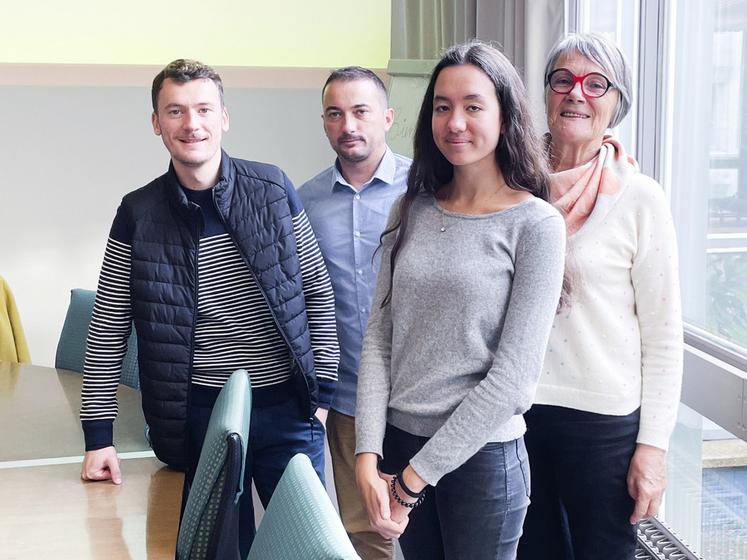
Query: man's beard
{"x": 352, "y": 158}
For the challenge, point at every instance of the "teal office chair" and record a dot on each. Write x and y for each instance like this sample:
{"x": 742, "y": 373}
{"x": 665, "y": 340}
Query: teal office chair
{"x": 209, "y": 525}
{"x": 71, "y": 348}
{"x": 300, "y": 520}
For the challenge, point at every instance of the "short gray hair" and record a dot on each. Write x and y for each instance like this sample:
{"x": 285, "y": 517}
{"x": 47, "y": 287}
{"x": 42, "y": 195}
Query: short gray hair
{"x": 604, "y": 53}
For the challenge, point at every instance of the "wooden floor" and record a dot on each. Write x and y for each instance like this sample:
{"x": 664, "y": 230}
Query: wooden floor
{"x": 48, "y": 512}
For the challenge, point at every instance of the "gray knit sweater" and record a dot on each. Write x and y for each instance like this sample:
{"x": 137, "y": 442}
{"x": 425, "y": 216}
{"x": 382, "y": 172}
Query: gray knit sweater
{"x": 457, "y": 354}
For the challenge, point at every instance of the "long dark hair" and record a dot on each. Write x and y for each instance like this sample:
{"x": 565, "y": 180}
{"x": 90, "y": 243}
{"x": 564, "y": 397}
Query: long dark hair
{"x": 519, "y": 153}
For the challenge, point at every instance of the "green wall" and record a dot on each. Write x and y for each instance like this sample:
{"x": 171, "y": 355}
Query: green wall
{"x": 283, "y": 33}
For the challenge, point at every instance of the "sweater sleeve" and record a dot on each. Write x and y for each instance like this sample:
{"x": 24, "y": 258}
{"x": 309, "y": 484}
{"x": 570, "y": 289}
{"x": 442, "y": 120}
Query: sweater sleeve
{"x": 374, "y": 372}
{"x": 655, "y": 277}
{"x": 111, "y": 324}
{"x": 510, "y": 384}
{"x": 320, "y": 302}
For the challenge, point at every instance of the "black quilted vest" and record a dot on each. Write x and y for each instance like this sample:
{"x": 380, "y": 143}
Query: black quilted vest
{"x": 252, "y": 199}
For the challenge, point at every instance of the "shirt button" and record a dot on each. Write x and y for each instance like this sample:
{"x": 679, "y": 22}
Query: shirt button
{"x": 360, "y": 272}
{"x": 357, "y": 197}
{"x": 357, "y": 233}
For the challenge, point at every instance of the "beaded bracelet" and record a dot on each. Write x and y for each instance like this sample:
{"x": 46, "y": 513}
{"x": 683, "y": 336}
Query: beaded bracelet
{"x": 398, "y": 498}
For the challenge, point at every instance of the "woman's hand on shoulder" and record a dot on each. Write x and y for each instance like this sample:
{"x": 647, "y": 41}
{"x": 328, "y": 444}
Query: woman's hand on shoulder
{"x": 372, "y": 485}
{"x": 647, "y": 479}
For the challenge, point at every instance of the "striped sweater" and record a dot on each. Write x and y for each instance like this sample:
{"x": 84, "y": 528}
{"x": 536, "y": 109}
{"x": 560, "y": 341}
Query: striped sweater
{"x": 234, "y": 329}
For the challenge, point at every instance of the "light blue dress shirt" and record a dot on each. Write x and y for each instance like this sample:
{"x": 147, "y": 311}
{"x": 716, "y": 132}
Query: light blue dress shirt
{"x": 348, "y": 225}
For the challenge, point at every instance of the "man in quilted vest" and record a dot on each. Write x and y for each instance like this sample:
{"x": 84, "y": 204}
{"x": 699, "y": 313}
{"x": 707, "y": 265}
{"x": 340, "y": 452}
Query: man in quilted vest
{"x": 216, "y": 264}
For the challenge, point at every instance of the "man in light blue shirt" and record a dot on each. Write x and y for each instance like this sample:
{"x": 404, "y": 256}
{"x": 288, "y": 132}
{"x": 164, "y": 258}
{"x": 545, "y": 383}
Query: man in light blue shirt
{"x": 348, "y": 205}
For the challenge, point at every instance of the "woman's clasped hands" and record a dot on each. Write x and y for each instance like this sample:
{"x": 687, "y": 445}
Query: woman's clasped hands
{"x": 384, "y": 497}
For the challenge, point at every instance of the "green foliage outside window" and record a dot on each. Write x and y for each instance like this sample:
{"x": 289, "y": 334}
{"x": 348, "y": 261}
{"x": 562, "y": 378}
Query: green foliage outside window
{"x": 727, "y": 296}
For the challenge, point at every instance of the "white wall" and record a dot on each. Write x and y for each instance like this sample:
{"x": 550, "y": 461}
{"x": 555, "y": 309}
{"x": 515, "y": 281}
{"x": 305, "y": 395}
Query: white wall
{"x": 68, "y": 155}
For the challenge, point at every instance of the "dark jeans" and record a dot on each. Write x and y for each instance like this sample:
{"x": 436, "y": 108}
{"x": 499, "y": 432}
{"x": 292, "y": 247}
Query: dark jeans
{"x": 474, "y": 512}
{"x": 278, "y": 431}
{"x": 580, "y": 502}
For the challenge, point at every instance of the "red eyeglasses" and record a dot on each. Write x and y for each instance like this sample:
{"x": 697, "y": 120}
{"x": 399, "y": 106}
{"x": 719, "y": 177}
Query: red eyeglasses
{"x": 593, "y": 84}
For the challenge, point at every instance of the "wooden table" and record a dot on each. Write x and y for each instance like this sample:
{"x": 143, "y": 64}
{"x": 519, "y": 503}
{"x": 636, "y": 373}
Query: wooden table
{"x": 46, "y": 511}
{"x": 39, "y": 414}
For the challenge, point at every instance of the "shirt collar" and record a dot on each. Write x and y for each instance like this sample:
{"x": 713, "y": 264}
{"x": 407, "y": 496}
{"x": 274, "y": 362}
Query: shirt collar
{"x": 385, "y": 172}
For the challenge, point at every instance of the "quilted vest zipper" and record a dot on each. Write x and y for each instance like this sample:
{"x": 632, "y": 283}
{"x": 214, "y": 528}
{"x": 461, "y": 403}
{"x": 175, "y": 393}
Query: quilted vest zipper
{"x": 195, "y": 294}
{"x": 267, "y": 302}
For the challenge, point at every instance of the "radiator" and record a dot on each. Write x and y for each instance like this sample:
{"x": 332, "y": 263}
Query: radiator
{"x": 657, "y": 542}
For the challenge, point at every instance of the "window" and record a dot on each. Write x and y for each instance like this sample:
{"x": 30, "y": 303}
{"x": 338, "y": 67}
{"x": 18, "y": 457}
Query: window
{"x": 706, "y": 502}
{"x": 618, "y": 21}
{"x": 689, "y": 124}
{"x": 703, "y": 169}
{"x": 706, "y": 169}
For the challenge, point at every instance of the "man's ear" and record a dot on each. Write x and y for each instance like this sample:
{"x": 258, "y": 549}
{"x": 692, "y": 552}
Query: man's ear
{"x": 154, "y": 122}
{"x": 388, "y": 119}
{"x": 226, "y": 121}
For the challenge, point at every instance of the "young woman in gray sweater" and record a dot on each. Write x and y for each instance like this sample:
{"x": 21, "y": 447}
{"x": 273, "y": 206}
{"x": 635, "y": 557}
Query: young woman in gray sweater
{"x": 471, "y": 274}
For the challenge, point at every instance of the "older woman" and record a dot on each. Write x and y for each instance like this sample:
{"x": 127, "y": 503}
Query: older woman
{"x": 608, "y": 393}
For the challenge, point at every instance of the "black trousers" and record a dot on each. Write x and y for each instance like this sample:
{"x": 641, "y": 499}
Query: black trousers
{"x": 580, "y": 506}
{"x": 475, "y": 512}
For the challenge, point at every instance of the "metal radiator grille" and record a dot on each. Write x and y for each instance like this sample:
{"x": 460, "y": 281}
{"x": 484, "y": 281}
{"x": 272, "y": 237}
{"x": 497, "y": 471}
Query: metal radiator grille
{"x": 656, "y": 542}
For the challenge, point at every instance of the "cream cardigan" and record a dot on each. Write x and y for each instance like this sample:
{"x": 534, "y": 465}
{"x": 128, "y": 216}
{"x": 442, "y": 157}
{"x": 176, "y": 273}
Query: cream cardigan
{"x": 619, "y": 344}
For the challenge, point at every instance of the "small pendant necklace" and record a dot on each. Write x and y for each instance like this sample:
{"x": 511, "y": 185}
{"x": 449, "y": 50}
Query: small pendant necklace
{"x": 441, "y": 209}
{"x": 444, "y": 226}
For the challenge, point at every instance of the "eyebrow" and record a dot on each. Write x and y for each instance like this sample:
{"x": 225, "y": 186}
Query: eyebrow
{"x": 470, "y": 97}
{"x": 336, "y": 108}
{"x": 200, "y": 104}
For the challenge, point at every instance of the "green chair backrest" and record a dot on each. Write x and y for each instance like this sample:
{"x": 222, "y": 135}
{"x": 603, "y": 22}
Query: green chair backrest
{"x": 210, "y": 520}
{"x": 300, "y": 520}
{"x": 71, "y": 348}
